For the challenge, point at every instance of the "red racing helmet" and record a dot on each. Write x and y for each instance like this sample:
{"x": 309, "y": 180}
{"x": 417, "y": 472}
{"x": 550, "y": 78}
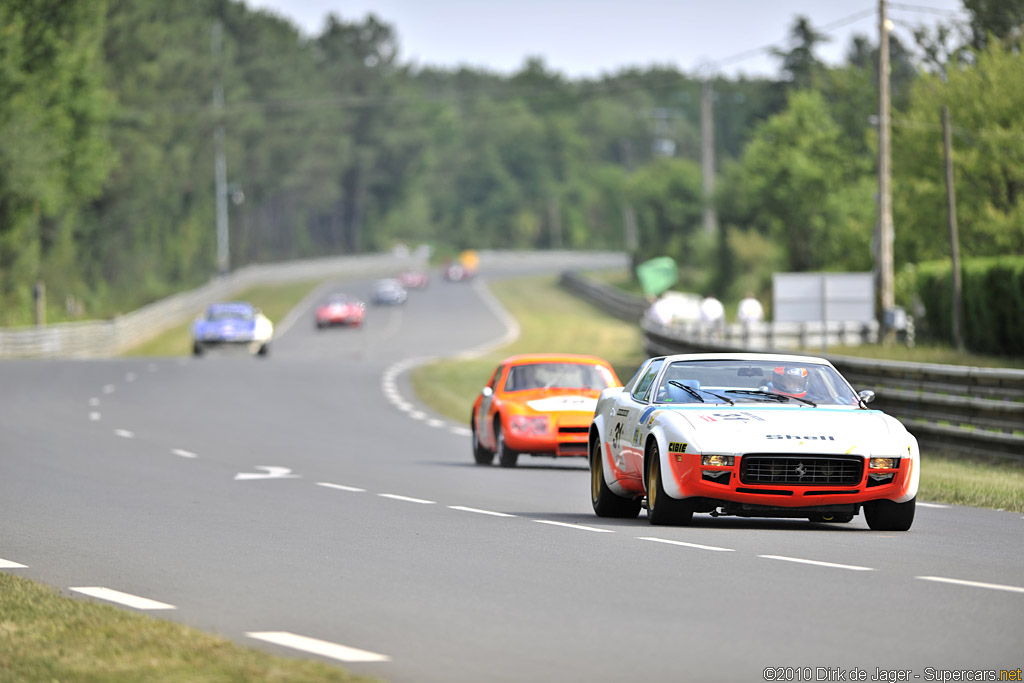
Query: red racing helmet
{"x": 790, "y": 380}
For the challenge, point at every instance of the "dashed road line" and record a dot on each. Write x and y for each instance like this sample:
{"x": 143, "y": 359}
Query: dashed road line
{"x": 353, "y": 489}
{"x": 932, "y": 505}
{"x": 435, "y": 423}
{"x": 479, "y": 511}
{"x": 818, "y": 563}
{"x": 127, "y": 599}
{"x": 94, "y": 401}
{"x": 417, "y": 415}
{"x": 342, "y": 653}
{"x": 108, "y": 389}
{"x": 8, "y": 564}
{"x": 129, "y": 377}
{"x": 698, "y": 546}
{"x": 574, "y": 526}
{"x": 124, "y": 433}
{"x": 407, "y": 499}
{"x": 974, "y": 584}
{"x": 461, "y": 431}
{"x": 183, "y": 453}
{"x": 94, "y": 416}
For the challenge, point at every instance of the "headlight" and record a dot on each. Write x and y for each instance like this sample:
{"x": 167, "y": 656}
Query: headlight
{"x": 884, "y": 463}
{"x": 531, "y": 426}
{"x": 717, "y": 460}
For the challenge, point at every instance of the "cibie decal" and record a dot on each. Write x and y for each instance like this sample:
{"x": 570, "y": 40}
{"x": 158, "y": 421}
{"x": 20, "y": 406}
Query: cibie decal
{"x": 676, "y": 447}
{"x": 622, "y": 412}
{"x": 800, "y": 438}
{"x": 556, "y": 403}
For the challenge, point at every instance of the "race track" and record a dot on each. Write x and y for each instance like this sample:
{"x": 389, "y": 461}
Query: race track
{"x": 311, "y": 494}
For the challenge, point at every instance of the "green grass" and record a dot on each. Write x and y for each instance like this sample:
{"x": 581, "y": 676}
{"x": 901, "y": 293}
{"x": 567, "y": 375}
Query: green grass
{"x": 561, "y": 323}
{"x": 972, "y": 480}
{"x": 924, "y": 353}
{"x": 275, "y": 300}
{"x": 45, "y": 636}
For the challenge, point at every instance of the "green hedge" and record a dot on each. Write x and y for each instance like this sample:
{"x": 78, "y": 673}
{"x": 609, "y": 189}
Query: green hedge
{"x": 993, "y": 302}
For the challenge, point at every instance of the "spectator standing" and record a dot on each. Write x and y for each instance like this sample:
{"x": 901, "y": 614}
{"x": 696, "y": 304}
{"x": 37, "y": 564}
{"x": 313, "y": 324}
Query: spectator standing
{"x": 750, "y": 310}
{"x": 712, "y": 315}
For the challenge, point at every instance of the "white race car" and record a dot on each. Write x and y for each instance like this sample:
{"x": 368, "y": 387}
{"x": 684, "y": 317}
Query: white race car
{"x": 754, "y": 435}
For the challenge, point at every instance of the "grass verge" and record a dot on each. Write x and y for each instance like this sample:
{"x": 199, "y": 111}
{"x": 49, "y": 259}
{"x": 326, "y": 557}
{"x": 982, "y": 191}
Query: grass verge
{"x": 45, "y": 636}
{"x": 275, "y": 300}
{"x": 567, "y": 324}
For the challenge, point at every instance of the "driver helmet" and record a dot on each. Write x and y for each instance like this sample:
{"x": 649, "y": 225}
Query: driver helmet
{"x": 790, "y": 380}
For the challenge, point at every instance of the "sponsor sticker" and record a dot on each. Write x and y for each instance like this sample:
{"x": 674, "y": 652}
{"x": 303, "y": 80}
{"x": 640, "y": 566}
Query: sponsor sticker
{"x": 676, "y": 447}
{"x": 636, "y": 436}
{"x": 622, "y": 412}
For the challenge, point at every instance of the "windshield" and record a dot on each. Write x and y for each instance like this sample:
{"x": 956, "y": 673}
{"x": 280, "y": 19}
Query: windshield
{"x": 548, "y": 375}
{"x": 736, "y": 381}
{"x": 220, "y": 315}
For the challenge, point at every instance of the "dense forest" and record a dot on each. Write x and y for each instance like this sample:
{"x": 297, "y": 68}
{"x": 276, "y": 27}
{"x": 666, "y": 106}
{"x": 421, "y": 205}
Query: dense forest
{"x": 334, "y": 146}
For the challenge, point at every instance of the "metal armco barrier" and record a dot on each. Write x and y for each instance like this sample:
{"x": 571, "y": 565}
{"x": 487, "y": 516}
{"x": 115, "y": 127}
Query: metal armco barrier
{"x": 980, "y": 410}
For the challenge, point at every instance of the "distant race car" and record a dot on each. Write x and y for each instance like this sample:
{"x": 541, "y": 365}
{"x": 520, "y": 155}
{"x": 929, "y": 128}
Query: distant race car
{"x": 340, "y": 309}
{"x": 414, "y": 279}
{"x": 236, "y": 324}
{"x": 389, "y": 291}
{"x": 538, "y": 404}
{"x": 753, "y": 435}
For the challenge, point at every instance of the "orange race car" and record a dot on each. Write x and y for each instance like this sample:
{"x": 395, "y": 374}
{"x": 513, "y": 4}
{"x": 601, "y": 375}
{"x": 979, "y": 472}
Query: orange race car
{"x": 538, "y": 404}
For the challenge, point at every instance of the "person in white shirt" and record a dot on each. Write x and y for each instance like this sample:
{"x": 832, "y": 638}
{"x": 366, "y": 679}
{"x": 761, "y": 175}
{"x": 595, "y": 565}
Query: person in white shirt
{"x": 750, "y": 310}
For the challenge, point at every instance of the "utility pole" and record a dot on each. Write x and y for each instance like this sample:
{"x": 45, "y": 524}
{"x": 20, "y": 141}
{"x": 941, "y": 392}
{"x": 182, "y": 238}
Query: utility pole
{"x": 220, "y": 166}
{"x": 628, "y": 213}
{"x": 884, "y": 237}
{"x": 707, "y": 135}
{"x": 954, "y": 238}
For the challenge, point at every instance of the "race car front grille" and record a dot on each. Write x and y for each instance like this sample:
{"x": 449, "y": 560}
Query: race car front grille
{"x": 801, "y": 470}
{"x": 573, "y": 430}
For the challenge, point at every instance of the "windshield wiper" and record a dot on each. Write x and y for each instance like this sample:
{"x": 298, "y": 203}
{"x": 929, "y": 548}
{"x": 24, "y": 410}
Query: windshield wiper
{"x": 780, "y": 398}
{"x": 693, "y": 392}
{"x": 690, "y": 390}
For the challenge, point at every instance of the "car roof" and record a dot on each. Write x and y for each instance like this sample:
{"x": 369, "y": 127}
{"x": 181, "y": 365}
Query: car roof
{"x": 231, "y": 307}
{"x": 769, "y": 357}
{"x": 527, "y": 358}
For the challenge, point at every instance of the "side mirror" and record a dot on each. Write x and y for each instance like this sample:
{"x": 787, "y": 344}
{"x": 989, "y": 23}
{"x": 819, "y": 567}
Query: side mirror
{"x": 866, "y": 396}
{"x": 488, "y": 392}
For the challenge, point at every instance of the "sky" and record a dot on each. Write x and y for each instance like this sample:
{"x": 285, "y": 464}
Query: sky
{"x": 586, "y": 38}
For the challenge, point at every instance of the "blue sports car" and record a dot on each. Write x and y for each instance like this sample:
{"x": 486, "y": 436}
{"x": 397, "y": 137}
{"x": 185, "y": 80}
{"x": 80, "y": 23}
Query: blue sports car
{"x": 235, "y": 324}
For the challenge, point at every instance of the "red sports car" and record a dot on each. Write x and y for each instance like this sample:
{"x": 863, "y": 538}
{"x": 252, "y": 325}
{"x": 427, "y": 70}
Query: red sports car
{"x": 414, "y": 279}
{"x": 340, "y": 309}
{"x": 538, "y": 404}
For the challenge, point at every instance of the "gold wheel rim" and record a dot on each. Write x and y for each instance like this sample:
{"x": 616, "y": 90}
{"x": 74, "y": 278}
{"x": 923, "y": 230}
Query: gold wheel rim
{"x": 652, "y": 480}
{"x": 596, "y": 472}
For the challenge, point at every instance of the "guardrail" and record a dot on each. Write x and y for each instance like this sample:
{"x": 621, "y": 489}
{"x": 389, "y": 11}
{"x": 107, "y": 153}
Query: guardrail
{"x": 980, "y": 410}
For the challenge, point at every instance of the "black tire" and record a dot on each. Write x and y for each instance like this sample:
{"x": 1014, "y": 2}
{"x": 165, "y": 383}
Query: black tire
{"x": 887, "y": 515}
{"x": 264, "y": 350}
{"x": 481, "y": 455}
{"x": 197, "y": 349}
{"x": 506, "y": 456}
{"x": 831, "y": 518}
{"x": 661, "y": 508}
{"x": 605, "y": 501}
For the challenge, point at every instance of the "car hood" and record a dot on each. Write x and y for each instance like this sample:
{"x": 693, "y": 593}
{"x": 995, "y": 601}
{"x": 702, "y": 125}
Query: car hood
{"x": 556, "y": 400}
{"x": 783, "y": 429}
{"x": 225, "y": 326}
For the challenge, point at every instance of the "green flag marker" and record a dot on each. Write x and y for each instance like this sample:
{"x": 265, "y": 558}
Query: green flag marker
{"x": 657, "y": 275}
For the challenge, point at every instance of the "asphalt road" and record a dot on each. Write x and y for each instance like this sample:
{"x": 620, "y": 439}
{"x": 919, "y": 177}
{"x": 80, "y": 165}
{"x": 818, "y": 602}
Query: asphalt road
{"x": 310, "y": 494}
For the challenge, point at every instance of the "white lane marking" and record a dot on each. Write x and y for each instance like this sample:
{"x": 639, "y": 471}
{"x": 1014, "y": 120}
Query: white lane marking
{"x": 395, "y": 496}
{"x": 340, "y": 487}
{"x": 461, "y": 431}
{"x": 129, "y": 377}
{"x": 108, "y": 389}
{"x": 688, "y": 545}
{"x": 269, "y": 472}
{"x": 480, "y": 512}
{"x": 183, "y": 453}
{"x": 8, "y": 564}
{"x": 120, "y": 598}
{"x": 931, "y": 505}
{"x": 817, "y": 563}
{"x": 152, "y": 367}
{"x": 435, "y": 423}
{"x": 574, "y": 526}
{"x": 315, "y": 646}
{"x": 94, "y": 401}
{"x": 974, "y": 584}
{"x": 417, "y": 415}
{"x": 94, "y": 416}
{"x": 124, "y": 433}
